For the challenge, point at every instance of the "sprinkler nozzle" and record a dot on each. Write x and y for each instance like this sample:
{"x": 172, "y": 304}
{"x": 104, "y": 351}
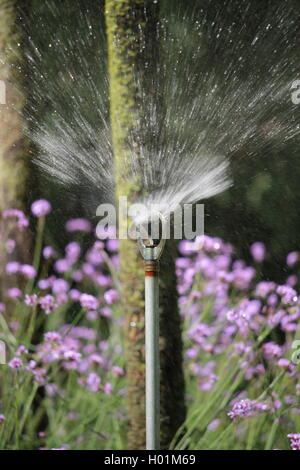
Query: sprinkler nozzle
{"x": 150, "y": 247}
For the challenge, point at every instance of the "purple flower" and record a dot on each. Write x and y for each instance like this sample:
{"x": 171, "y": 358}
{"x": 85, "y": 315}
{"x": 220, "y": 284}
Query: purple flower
{"x": 89, "y": 301}
{"x": 288, "y": 294}
{"x": 62, "y": 265}
{"x": 111, "y": 296}
{"x": 48, "y": 304}
{"x": 77, "y": 275}
{"x": 41, "y": 207}
{"x": 242, "y": 408}
{"x": 106, "y": 312}
{"x": 28, "y": 271}
{"x": 72, "y": 252}
{"x": 93, "y": 382}
{"x": 2, "y": 307}
{"x": 272, "y": 351}
{"x": 80, "y": 225}
{"x": 74, "y": 294}
{"x": 14, "y": 293}
{"x": 31, "y": 300}
{"x": 116, "y": 370}
{"x": 2, "y": 418}
{"x": 294, "y": 440}
{"x": 107, "y": 388}
{"x": 60, "y": 286}
{"x": 22, "y": 221}
{"x": 44, "y": 284}
{"x": 292, "y": 258}
{"x": 48, "y": 252}
{"x": 16, "y": 363}
{"x": 52, "y": 337}
{"x": 258, "y": 251}
{"x": 12, "y": 268}
{"x": 95, "y": 257}
{"x": 112, "y": 245}
{"x": 213, "y": 425}
{"x": 21, "y": 350}
{"x": 10, "y": 245}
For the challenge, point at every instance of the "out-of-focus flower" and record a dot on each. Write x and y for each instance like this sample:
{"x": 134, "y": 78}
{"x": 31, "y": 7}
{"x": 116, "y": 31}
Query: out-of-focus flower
{"x": 48, "y": 252}
{"x": 89, "y": 301}
{"x": 213, "y": 425}
{"x": 288, "y": 294}
{"x": 52, "y": 337}
{"x": 21, "y": 350}
{"x": 106, "y": 312}
{"x": 72, "y": 252}
{"x": 28, "y": 271}
{"x": 107, "y": 388}
{"x": 41, "y": 207}
{"x": 292, "y": 258}
{"x": 14, "y": 293}
{"x": 112, "y": 245}
{"x": 78, "y": 225}
{"x": 12, "y": 268}
{"x": 2, "y": 418}
{"x": 93, "y": 382}
{"x": 246, "y": 407}
{"x": 258, "y": 251}
{"x": 60, "y": 286}
{"x": 111, "y": 296}
{"x": 10, "y": 245}
{"x": 294, "y": 440}
{"x": 62, "y": 265}
{"x": 31, "y": 300}
{"x": 15, "y": 363}
{"x": 116, "y": 370}
{"x": 48, "y": 304}
{"x": 22, "y": 221}
{"x": 271, "y": 351}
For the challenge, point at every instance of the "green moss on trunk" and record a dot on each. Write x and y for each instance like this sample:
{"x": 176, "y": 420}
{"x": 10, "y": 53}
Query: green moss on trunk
{"x": 132, "y": 41}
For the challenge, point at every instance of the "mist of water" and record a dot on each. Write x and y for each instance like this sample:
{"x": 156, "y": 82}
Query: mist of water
{"x": 225, "y": 79}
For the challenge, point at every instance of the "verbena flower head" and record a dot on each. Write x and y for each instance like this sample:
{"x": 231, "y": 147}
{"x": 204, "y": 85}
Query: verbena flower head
{"x": 89, "y": 301}
{"x": 15, "y": 363}
{"x": 78, "y": 225}
{"x": 258, "y": 251}
{"x": 294, "y": 440}
{"x": 41, "y": 207}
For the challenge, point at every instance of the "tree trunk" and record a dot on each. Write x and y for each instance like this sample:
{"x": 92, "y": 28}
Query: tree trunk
{"x": 132, "y": 34}
{"x": 13, "y": 155}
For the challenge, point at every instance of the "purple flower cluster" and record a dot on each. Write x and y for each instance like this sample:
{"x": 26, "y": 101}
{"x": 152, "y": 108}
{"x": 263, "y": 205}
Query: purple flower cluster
{"x": 295, "y": 441}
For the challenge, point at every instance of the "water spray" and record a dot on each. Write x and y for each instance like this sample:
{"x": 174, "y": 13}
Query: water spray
{"x": 151, "y": 250}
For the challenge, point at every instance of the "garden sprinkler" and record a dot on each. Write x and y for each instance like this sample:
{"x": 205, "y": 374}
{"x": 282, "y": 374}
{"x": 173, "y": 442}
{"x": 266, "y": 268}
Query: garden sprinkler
{"x": 151, "y": 250}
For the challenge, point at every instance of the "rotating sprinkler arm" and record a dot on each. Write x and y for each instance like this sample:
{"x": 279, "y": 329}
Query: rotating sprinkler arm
{"x": 151, "y": 251}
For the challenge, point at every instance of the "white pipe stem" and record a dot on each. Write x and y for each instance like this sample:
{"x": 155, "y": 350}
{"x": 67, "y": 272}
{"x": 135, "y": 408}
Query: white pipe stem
{"x": 152, "y": 362}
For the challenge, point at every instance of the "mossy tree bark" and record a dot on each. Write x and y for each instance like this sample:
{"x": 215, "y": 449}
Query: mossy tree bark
{"x": 132, "y": 34}
{"x": 13, "y": 149}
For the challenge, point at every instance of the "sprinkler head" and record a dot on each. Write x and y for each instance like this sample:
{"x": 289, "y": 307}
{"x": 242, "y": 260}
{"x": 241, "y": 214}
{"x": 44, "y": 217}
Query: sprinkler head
{"x": 151, "y": 248}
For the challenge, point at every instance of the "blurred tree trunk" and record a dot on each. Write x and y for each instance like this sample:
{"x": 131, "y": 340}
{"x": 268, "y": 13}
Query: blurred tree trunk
{"x": 13, "y": 150}
{"x": 133, "y": 42}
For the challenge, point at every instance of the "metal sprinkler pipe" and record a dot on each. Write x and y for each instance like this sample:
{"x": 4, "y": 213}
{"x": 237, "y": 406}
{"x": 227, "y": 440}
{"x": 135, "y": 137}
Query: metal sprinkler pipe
{"x": 151, "y": 250}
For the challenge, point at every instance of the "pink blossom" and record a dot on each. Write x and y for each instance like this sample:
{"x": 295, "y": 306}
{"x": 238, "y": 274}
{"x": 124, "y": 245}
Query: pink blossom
{"x": 15, "y": 363}
{"x": 41, "y": 207}
{"x": 81, "y": 225}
